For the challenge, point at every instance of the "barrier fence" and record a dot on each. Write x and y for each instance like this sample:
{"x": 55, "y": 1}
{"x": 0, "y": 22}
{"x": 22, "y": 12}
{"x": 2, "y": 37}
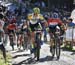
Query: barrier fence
{"x": 70, "y": 35}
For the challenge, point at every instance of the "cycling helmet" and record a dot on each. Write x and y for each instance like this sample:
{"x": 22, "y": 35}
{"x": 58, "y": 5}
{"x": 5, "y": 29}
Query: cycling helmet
{"x": 36, "y": 10}
{"x": 55, "y": 15}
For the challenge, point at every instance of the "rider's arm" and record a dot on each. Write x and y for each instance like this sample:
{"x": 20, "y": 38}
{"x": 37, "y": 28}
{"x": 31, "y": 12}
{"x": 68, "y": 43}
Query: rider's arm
{"x": 43, "y": 21}
{"x": 29, "y": 17}
{"x": 62, "y": 25}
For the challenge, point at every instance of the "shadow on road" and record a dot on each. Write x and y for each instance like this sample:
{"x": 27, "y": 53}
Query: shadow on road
{"x": 73, "y": 53}
{"x": 33, "y": 61}
{"x": 48, "y": 58}
{"x": 20, "y": 55}
{"x": 67, "y": 49}
{"x": 18, "y": 51}
{"x": 27, "y": 61}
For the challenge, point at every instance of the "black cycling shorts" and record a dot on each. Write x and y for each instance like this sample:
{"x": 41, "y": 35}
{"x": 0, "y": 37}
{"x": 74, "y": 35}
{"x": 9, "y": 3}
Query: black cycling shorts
{"x": 52, "y": 29}
{"x": 11, "y": 31}
{"x": 33, "y": 26}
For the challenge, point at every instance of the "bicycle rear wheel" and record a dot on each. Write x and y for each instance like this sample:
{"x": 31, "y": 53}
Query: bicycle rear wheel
{"x": 53, "y": 51}
{"x": 38, "y": 53}
{"x": 52, "y": 48}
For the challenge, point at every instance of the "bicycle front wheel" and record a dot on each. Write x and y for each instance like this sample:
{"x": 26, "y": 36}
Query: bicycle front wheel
{"x": 38, "y": 54}
{"x": 58, "y": 48}
{"x": 38, "y": 46}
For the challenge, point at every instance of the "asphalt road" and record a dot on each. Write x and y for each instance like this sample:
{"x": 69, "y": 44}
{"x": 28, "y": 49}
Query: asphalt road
{"x": 24, "y": 57}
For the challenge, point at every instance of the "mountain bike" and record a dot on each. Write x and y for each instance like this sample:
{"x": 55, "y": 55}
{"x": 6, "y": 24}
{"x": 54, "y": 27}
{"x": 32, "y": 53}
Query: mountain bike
{"x": 55, "y": 47}
{"x": 37, "y": 44}
{"x": 25, "y": 40}
{"x": 11, "y": 38}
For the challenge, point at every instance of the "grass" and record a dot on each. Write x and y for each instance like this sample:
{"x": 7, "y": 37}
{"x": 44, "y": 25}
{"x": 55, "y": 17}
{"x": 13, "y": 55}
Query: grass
{"x": 2, "y": 62}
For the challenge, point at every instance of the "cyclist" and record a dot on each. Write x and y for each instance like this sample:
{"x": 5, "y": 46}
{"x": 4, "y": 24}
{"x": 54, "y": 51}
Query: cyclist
{"x": 25, "y": 34}
{"x": 35, "y": 21}
{"x": 53, "y": 22}
{"x": 2, "y": 48}
{"x": 11, "y": 32}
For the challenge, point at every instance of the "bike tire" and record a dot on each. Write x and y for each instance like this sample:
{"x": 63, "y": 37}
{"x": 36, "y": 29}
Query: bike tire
{"x": 25, "y": 43}
{"x": 38, "y": 46}
{"x": 12, "y": 45}
{"x": 38, "y": 54}
{"x": 58, "y": 48}
{"x": 53, "y": 52}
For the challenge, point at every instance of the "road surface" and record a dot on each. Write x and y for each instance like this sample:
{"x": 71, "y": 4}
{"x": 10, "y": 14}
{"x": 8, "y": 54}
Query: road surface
{"x": 23, "y": 57}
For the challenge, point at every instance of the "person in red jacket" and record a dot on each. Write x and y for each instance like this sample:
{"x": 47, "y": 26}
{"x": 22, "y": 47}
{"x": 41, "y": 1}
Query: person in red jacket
{"x": 11, "y": 32}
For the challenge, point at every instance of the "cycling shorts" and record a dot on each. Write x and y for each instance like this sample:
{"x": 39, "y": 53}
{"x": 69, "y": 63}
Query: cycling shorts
{"x": 52, "y": 29}
{"x": 33, "y": 26}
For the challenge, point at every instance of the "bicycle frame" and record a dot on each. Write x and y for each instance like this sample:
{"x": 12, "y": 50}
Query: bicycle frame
{"x": 37, "y": 44}
{"x": 11, "y": 38}
{"x": 56, "y": 46}
{"x": 25, "y": 42}
{"x": 38, "y": 37}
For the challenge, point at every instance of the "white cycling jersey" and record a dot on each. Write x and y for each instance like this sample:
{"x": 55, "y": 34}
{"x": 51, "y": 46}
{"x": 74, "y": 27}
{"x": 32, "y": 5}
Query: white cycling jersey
{"x": 34, "y": 20}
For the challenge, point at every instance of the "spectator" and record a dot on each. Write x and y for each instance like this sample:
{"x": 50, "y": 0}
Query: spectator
{"x": 40, "y": 3}
{"x": 43, "y": 5}
{"x": 70, "y": 23}
{"x": 37, "y": 4}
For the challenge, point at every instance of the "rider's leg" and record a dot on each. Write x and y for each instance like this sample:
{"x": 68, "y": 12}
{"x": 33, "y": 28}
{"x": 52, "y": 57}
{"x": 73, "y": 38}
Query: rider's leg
{"x": 4, "y": 52}
{"x": 33, "y": 44}
{"x": 32, "y": 38}
{"x": 13, "y": 46}
{"x": 45, "y": 35}
{"x": 51, "y": 40}
{"x": 18, "y": 41}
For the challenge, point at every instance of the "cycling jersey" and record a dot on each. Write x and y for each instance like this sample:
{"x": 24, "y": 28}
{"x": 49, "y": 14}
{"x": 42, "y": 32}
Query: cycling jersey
{"x": 11, "y": 26}
{"x": 35, "y": 20}
{"x": 54, "y": 22}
